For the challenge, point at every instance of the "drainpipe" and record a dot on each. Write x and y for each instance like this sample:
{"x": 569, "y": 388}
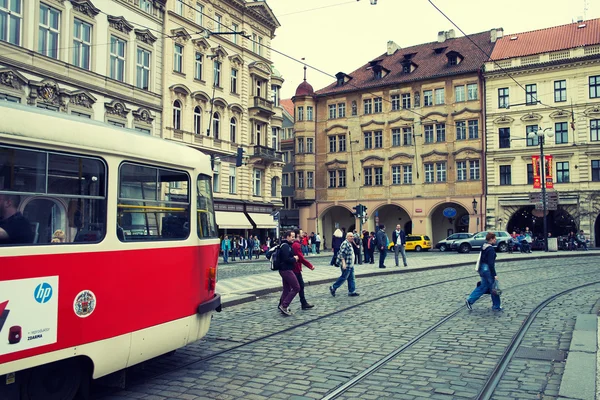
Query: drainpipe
{"x": 484, "y": 148}
{"x": 315, "y": 177}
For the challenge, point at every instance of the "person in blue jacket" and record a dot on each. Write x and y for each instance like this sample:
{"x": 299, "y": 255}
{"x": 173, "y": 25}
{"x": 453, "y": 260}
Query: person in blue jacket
{"x": 487, "y": 272}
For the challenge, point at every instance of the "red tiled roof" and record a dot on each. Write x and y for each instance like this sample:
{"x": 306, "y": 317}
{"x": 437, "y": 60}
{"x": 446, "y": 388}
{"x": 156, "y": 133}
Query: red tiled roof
{"x": 304, "y": 89}
{"x": 546, "y": 40}
{"x": 430, "y": 64}
{"x": 288, "y": 105}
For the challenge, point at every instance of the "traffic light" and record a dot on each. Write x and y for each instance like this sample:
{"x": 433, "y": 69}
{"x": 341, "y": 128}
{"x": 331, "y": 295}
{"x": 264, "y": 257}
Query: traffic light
{"x": 239, "y": 157}
{"x": 364, "y": 211}
{"x": 356, "y": 210}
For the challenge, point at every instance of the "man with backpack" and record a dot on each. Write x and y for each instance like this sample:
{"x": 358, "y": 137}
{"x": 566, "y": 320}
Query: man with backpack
{"x": 284, "y": 260}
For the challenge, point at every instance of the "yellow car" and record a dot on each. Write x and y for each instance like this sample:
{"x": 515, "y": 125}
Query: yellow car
{"x": 416, "y": 243}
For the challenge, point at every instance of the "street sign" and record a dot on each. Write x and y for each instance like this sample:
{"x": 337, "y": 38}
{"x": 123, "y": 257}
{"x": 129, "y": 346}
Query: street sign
{"x": 549, "y": 206}
{"x": 537, "y": 197}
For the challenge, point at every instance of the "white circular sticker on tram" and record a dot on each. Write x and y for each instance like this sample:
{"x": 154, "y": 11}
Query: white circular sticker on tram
{"x": 84, "y": 304}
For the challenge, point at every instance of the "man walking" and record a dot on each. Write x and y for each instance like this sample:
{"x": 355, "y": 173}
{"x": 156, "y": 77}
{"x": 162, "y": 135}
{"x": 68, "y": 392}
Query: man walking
{"x": 297, "y": 249}
{"x": 318, "y": 242}
{"x": 291, "y": 287}
{"x": 346, "y": 258}
{"x": 226, "y": 246}
{"x": 382, "y": 240}
{"x": 356, "y": 243}
{"x": 399, "y": 239}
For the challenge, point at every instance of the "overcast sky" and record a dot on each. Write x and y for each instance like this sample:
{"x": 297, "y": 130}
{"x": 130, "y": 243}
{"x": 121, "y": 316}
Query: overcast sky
{"x": 342, "y": 35}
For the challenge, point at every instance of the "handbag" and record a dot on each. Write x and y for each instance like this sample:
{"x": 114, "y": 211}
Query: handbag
{"x": 477, "y": 263}
{"x": 496, "y": 288}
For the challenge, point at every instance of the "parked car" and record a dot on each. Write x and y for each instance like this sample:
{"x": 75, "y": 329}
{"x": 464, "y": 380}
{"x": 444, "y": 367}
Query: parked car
{"x": 446, "y": 244}
{"x": 476, "y": 241}
{"x": 415, "y": 242}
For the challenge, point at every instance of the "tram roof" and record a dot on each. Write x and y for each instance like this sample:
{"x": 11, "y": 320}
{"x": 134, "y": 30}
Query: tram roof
{"x": 43, "y": 126}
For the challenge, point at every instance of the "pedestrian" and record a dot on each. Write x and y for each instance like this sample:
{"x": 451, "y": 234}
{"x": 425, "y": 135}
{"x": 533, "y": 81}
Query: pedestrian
{"x": 346, "y": 259}
{"x": 226, "y": 246}
{"x": 382, "y": 241}
{"x": 243, "y": 246}
{"x": 313, "y": 244}
{"x": 297, "y": 249}
{"x": 336, "y": 242}
{"x": 318, "y": 242}
{"x": 356, "y": 248}
{"x": 372, "y": 246}
{"x": 487, "y": 272}
{"x": 256, "y": 247}
{"x": 399, "y": 239}
{"x": 305, "y": 243}
{"x": 291, "y": 287}
{"x": 365, "y": 245}
{"x": 581, "y": 239}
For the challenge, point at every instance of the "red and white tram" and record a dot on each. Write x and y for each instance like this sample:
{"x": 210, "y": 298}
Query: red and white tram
{"x": 120, "y": 263}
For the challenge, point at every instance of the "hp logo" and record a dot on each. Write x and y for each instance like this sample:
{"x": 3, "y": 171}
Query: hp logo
{"x": 43, "y": 293}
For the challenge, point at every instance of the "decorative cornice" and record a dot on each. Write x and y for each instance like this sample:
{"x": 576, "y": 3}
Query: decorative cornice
{"x": 503, "y": 120}
{"x": 236, "y": 108}
{"x": 236, "y": 59}
{"x": 144, "y": 35}
{"x": 260, "y": 67}
{"x": 82, "y": 98}
{"x": 47, "y": 92}
{"x": 181, "y": 89}
{"x": 119, "y": 23}
{"x": 336, "y": 161}
{"x": 443, "y": 115}
{"x": 12, "y": 79}
{"x": 398, "y": 155}
{"x": 467, "y": 149}
{"x": 143, "y": 115}
{"x": 219, "y": 51}
{"x": 372, "y": 122}
{"x": 434, "y": 153}
{"x": 560, "y": 114}
{"x": 201, "y": 43}
{"x": 85, "y": 7}
{"x": 466, "y": 110}
{"x": 592, "y": 111}
{"x": 412, "y": 120}
{"x": 372, "y": 158}
{"x": 220, "y": 102}
{"x": 344, "y": 127}
{"x": 200, "y": 95}
{"x": 181, "y": 34}
{"x": 531, "y": 117}
{"x": 117, "y": 108}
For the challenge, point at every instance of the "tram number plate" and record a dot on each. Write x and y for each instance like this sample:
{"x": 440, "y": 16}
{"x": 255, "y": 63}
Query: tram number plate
{"x": 10, "y": 378}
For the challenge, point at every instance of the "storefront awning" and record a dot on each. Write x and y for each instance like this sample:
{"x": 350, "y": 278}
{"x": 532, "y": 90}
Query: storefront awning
{"x": 232, "y": 220}
{"x": 263, "y": 221}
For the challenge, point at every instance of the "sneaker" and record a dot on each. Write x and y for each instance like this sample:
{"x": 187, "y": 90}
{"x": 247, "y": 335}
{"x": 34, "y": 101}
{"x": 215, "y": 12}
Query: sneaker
{"x": 307, "y": 306}
{"x": 498, "y": 309}
{"x": 353, "y": 294}
{"x": 469, "y": 305}
{"x": 406, "y": 265}
{"x": 332, "y": 291}
{"x": 285, "y": 311}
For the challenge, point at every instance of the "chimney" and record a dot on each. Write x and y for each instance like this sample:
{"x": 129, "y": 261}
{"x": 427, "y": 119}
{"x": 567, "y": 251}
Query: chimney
{"x": 392, "y": 47}
{"x": 495, "y": 34}
{"x": 579, "y": 19}
{"x": 441, "y": 37}
{"x": 450, "y": 34}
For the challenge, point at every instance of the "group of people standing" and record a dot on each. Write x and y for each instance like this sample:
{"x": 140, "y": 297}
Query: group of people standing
{"x": 239, "y": 246}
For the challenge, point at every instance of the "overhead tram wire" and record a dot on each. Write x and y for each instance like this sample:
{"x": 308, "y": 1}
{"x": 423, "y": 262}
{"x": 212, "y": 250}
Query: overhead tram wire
{"x": 318, "y": 8}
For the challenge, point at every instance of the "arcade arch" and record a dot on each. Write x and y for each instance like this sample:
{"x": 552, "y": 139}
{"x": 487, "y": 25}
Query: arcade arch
{"x": 448, "y": 218}
{"x": 333, "y": 218}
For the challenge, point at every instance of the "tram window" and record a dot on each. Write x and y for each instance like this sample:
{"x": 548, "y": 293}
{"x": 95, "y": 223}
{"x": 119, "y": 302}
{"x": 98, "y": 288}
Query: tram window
{"x": 154, "y": 204}
{"x": 75, "y": 175}
{"x": 206, "y": 215}
{"x": 22, "y": 170}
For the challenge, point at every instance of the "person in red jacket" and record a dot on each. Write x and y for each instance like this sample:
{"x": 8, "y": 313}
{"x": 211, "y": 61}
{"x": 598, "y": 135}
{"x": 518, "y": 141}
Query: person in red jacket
{"x": 297, "y": 251}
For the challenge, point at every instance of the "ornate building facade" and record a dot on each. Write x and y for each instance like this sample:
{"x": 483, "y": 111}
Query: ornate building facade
{"x": 546, "y": 80}
{"x": 98, "y": 61}
{"x": 222, "y": 94}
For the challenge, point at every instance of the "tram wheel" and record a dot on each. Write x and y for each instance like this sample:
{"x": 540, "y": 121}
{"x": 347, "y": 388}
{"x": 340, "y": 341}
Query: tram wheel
{"x": 56, "y": 381}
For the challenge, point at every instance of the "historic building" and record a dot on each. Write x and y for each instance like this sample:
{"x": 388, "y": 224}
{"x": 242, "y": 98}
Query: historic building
{"x": 401, "y": 135}
{"x": 222, "y": 94}
{"x": 289, "y": 211}
{"x": 97, "y": 60}
{"x": 545, "y": 80}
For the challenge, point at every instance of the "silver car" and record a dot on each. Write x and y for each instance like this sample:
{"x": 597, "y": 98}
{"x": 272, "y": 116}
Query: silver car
{"x": 446, "y": 244}
{"x": 476, "y": 241}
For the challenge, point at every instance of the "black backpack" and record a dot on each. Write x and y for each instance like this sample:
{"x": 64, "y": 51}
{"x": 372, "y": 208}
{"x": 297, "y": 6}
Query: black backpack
{"x": 274, "y": 255}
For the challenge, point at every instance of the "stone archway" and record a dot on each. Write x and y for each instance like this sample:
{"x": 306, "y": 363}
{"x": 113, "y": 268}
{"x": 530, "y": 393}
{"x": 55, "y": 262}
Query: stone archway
{"x": 446, "y": 219}
{"x": 390, "y": 215}
{"x": 333, "y": 218}
{"x": 559, "y": 222}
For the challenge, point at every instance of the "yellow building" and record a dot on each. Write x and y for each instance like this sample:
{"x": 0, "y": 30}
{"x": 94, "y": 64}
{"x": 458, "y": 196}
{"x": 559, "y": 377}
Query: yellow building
{"x": 546, "y": 80}
{"x": 221, "y": 93}
{"x": 400, "y": 135}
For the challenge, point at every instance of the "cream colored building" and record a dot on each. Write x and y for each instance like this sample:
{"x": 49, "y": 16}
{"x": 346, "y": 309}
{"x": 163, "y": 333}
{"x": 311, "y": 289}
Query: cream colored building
{"x": 222, "y": 93}
{"x": 558, "y": 90}
{"x": 97, "y": 60}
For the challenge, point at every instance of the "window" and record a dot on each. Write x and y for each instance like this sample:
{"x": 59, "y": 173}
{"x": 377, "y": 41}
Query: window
{"x": 257, "y": 134}
{"x": 232, "y": 182}
{"x": 198, "y": 66}
{"x": 440, "y": 130}
{"x": 561, "y": 131}
{"x": 82, "y": 115}
{"x": 396, "y": 137}
{"x": 378, "y": 104}
{"x": 257, "y": 182}
{"x": 309, "y": 145}
{"x": 504, "y": 138}
{"x": 396, "y": 175}
{"x": 441, "y": 171}
{"x": 472, "y": 91}
{"x": 11, "y": 18}
{"x": 439, "y": 96}
{"x": 254, "y": 42}
{"x": 232, "y": 130}
{"x": 179, "y": 7}
{"x": 342, "y": 143}
{"x": 309, "y": 113}
{"x": 473, "y": 129}
{"x": 11, "y": 99}
{"x": 49, "y": 30}
{"x": 531, "y": 94}
{"x": 505, "y": 175}
{"x": 216, "y": 178}
{"x": 300, "y": 114}
{"x": 217, "y": 73}
{"x": 368, "y": 106}
{"x": 368, "y": 140}
{"x": 595, "y": 130}
{"x": 206, "y": 216}
{"x": 595, "y": 170}
{"x": 406, "y": 101}
{"x": 427, "y": 98}
{"x": 461, "y": 170}
{"x": 407, "y": 174}
{"x": 178, "y": 58}
{"x": 148, "y": 207}
{"x": 80, "y": 181}
{"x": 429, "y": 173}
{"x": 142, "y": 67}
{"x": 562, "y": 172}
{"x": 332, "y": 111}
{"x": 234, "y": 78}
{"x": 197, "y": 120}
{"x": 378, "y": 176}
{"x": 200, "y": 14}
{"x": 285, "y": 180}
{"x": 428, "y": 129}
{"x": 459, "y": 93}
{"x": 216, "y": 126}
{"x": 332, "y": 144}
{"x": 275, "y": 95}
{"x": 560, "y": 91}
{"x": 235, "y": 28}
{"x": 407, "y": 136}
{"x": 332, "y": 179}
{"x": 342, "y": 110}
{"x": 530, "y": 174}
{"x": 258, "y": 84}
{"x": 260, "y": 46}
{"x": 474, "y": 170}
{"x": 300, "y": 179}
{"x": 275, "y": 138}
{"x": 176, "y": 115}
{"x": 82, "y": 42}
{"x": 378, "y": 139}
{"x": 368, "y": 176}
{"x": 342, "y": 178}
{"x": 310, "y": 177}
{"x": 395, "y": 102}
{"x": 300, "y": 145}
{"x": 461, "y": 130}
{"x": 532, "y": 129}
{"x": 595, "y": 87}
{"x": 503, "y": 98}
{"x": 417, "y": 98}
{"x": 218, "y": 19}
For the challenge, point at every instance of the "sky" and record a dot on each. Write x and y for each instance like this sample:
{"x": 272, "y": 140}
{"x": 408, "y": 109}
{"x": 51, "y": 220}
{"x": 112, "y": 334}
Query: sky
{"x": 342, "y": 35}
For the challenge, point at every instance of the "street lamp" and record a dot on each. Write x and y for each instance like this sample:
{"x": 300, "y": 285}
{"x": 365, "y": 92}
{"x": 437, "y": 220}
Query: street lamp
{"x": 474, "y": 206}
{"x": 541, "y": 134}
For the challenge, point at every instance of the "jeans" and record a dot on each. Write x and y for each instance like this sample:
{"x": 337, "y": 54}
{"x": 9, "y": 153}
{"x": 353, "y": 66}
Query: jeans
{"x": 347, "y": 275}
{"x": 487, "y": 281}
{"x": 335, "y": 253}
{"x": 382, "y": 254}
{"x": 301, "y": 292}
{"x": 318, "y": 244}
{"x": 291, "y": 287}
{"x": 226, "y": 255}
{"x": 304, "y": 249}
{"x": 313, "y": 248}
{"x": 401, "y": 250}
{"x": 367, "y": 254}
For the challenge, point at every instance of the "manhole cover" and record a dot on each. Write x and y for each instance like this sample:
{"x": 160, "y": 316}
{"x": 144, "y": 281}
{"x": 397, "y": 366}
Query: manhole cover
{"x": 540, "y": 354}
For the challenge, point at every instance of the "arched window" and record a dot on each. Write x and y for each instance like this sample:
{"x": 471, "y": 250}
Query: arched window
{"x": 232, "y": 129}
{"x": 274, "y": 187}
{"x": 197, "y": 120}
{"x": 216, "y": 125}
{"x": 176, "y": 115}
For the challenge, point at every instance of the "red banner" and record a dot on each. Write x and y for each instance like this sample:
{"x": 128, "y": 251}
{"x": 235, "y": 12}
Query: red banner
{"x": 548, "y": 171}
{"x": 537, "y": 180}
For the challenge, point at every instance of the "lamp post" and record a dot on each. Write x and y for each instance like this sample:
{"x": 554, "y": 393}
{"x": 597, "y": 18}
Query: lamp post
{"x": 474, "y": 203}
{"x": 540, "y": 134}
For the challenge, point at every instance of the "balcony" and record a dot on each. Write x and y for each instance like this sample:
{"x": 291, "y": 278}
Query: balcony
{"x": 267, "y": 155}
{"x": 263, "y": 107}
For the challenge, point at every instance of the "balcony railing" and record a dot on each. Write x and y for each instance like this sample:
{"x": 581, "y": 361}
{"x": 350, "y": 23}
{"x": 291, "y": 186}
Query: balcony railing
{"x": 268, "y": 154}
{"x": 263, "y": 104}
